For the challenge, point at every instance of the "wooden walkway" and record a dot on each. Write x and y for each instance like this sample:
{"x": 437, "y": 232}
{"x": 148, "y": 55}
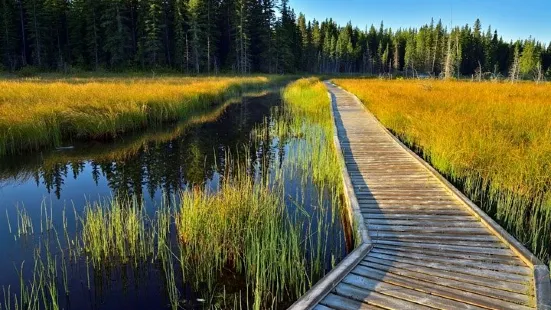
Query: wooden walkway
{"x": 424, "y": 245}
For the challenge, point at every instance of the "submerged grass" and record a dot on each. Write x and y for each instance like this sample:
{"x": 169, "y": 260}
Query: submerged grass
{"x": 493, "y": 140}
{"x": 278, "y": 244}
{"x": 41, "y": 113}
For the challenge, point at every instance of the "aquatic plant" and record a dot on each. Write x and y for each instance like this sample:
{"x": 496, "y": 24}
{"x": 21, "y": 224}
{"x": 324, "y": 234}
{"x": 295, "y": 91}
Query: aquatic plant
{"x": 250, "y": 226}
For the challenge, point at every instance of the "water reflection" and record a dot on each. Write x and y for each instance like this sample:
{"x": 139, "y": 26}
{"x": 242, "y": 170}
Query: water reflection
{"x": 163, "y": 160}
{"x": 148, "y": 165}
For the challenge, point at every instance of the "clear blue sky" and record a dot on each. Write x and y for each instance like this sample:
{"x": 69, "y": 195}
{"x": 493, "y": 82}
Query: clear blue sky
{"x": 512, "y": 18}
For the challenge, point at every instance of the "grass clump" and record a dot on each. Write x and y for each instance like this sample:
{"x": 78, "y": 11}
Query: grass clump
{"x": 243, "y": 227}
{"x": 308, "y": 113}
{"x": 116, "y": 231}
{"x": 493, "y": 140}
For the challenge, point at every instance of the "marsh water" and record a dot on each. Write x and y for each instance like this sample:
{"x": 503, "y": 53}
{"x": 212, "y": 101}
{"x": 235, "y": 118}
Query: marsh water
{"x": 147, "y": 166}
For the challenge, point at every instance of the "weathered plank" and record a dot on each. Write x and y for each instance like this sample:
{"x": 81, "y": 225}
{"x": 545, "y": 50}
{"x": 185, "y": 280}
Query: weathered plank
{"x": 394, "y": 291}
{"x": 510, "y": 260}
{"x": 430, "y": 247}
{"x": 342, "y": 303}
{"x": 444, "y": 270}
{"x": 450, "y": 248}
{"x": 423, "y": 259}
{"x": 435, "y": 288}
{"x": 322, "y": 307}
{"x": 375, "y": 298}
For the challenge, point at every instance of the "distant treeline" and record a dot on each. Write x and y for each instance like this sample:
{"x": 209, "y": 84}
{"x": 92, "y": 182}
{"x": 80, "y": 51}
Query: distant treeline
{"x": 242, "y": 36}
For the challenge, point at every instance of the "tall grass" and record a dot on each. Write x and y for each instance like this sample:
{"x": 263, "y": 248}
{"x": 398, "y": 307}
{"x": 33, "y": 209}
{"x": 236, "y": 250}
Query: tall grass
{"x": 36, "y": 113}
{"x": 278, "y": 244}
{"x": 309, "y": 113}
{"x": 493, "y": 140}
{"x": 121, "y": 149}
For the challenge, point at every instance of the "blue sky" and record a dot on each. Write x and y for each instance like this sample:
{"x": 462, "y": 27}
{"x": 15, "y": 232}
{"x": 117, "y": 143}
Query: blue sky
{"x": 512, "y": 18}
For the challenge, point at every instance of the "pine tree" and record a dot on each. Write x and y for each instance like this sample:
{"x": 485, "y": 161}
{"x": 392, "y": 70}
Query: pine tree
{"x": 528, "y": 59}
{"x": 152, "y": 45}
{"x": 8, "y": 37}
{"x": 286, "y": 38}
{"x": 410, "y": 55}
{"x": 303, "y": 41}
{"x": 37, "y": 31}
{"x": 114, "y": 25}
{"x": 242, "y": 38}
{"x": 195, "y": 33}
{"x": 181, "y": 52}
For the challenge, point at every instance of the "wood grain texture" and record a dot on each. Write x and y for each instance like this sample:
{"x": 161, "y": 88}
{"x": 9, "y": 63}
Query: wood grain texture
{"x": 428, "y": 247}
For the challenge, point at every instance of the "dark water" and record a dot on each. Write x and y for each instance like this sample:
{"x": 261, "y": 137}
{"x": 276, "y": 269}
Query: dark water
{"x": 146, "y": 166}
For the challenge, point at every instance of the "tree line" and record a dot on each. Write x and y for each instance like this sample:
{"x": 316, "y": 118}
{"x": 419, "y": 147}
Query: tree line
{"x": 244, "y": 36}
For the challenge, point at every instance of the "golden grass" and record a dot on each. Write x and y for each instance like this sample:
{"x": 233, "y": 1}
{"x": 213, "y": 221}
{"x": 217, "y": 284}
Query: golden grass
{"x": 38, "y": 113}
{"x": 493, "y": 139}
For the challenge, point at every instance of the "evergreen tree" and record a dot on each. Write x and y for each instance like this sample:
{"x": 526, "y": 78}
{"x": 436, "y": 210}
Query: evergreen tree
{"x": 8, "y": 37}
{"x": 181, "y": 45}
{"x": 36, "y": 24}
{"x": 114, "y": 24}
{"x": 528, "y": 59}
{"x": 195, "y": 33}
{"x": 244, "y": 36}
{"x": 152, "y": 45}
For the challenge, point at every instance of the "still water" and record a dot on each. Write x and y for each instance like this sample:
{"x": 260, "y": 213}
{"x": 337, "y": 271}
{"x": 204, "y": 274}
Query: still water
{"x": 149, "y": 165}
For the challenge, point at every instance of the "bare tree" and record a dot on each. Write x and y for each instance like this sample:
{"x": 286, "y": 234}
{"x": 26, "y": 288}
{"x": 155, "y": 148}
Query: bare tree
{"x": 448, "y": 66}
{"x": 538, "y": 76}
{"x": 478, "y": 72}
{"x": 515, "y": 67}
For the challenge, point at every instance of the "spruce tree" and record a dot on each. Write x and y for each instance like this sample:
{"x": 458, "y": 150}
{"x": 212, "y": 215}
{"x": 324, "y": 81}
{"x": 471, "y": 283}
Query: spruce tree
{"x": 8, "y": 37}
{"x": 114, "y": 24}
{"x": 181, "y": 44}
{"x": 152, "y": 45}
{"x": 528, "y": 59}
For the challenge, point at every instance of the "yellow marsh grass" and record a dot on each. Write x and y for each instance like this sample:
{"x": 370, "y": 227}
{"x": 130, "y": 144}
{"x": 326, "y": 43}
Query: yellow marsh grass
{"x": 493, "y": 139}
{"x": 36, "y": 113}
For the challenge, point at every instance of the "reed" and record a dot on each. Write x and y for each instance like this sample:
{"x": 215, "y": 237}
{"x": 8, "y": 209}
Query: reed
{"x": 493, "y": 140}
{"x": 116, "y": 232}
{"x": 250, "y": 226}
{"x": 308, "y": 109}
{"x": 43, "y": 113}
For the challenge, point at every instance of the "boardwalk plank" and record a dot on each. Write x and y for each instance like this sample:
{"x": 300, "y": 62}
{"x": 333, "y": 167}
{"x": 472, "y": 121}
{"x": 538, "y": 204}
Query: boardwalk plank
{"x": 451, "y": 248}
{"x": 375, "y": 298}
{"x": 455, "y": 255}
{"x": 421, "y": 258}
{"x": 342, "y": 303}
{"x": 435, "y": 288}
{"x": 405, "y": 293}
{"x": 469, "y": 282}
{"x": 428, "y": 247}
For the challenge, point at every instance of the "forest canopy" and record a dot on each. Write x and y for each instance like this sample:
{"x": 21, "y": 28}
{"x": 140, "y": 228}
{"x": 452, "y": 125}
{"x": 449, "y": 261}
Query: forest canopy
{"x": 244, "y": 36}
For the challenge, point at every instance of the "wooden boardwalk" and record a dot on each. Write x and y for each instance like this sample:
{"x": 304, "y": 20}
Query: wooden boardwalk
{"x": 424, "y": 245}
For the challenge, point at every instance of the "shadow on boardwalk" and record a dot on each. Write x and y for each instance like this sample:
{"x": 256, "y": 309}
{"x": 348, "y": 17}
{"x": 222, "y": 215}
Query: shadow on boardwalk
{"x": 428, "y": 250}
